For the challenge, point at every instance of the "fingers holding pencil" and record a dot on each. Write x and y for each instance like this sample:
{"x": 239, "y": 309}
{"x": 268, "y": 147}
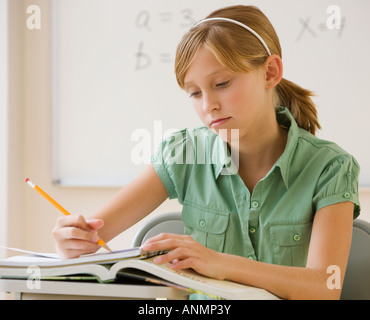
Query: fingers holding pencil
{"x": 75, "y": 236}
{"x": 74, "y": 231}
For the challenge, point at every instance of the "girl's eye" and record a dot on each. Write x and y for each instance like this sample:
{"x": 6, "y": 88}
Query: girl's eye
{"x": 194, "y": 94}
{"x": 222, "y": 84}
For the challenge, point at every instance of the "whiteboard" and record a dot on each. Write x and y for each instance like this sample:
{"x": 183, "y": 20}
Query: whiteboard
{"x": 115, "y": 95}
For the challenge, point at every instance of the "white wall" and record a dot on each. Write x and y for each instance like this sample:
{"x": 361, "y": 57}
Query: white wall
{"x": 365, "y": 204}
{"x": 29, "y": 139}
{"x": 11, "y": 140}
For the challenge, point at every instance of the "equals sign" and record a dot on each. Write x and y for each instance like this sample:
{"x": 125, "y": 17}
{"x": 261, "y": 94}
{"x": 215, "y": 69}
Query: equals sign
{"x": 165, "y": 16}
{"x": 165, "y": 57}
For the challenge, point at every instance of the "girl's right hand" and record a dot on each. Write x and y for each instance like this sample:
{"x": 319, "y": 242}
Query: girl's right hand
{"x": 75, "y": 236}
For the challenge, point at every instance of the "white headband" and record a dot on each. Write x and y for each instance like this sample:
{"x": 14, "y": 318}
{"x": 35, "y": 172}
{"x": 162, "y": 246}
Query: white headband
{"x": 240, "y": 24}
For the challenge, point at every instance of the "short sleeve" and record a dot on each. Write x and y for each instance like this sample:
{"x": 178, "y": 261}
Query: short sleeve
{"x": 338, "y": 183}
{"x": 169, "y": 162}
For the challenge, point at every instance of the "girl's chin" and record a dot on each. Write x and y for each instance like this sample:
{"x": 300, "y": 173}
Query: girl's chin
{"x": 227, "y": 135}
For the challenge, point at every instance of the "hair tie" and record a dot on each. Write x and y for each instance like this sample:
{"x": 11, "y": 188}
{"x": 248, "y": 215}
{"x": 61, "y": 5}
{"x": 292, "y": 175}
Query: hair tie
{"x": 240, "y": 24}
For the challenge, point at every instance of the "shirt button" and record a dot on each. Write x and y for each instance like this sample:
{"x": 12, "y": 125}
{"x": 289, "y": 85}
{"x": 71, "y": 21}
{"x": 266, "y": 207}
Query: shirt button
{"x": 296, "y": 237}
{"x": 255, "y": 204}
{"x": 252, "y": 230}
{"x": 251, "y": 257}
{"x": 202, "y": 223}
{"x": 154, "y": 158}
{"x": 347, "y": 195}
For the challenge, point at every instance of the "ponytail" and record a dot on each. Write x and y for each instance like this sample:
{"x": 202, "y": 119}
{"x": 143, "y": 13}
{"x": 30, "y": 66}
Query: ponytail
{"x": 299, "y": 103}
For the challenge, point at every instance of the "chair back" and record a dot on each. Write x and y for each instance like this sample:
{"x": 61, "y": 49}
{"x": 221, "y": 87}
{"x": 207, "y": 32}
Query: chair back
{"x": 168, "y": 222}
{"x": 356, "y": 284}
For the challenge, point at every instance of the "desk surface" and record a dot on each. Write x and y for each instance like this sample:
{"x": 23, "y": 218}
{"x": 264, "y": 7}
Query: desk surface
{"x": 82, "y": 290}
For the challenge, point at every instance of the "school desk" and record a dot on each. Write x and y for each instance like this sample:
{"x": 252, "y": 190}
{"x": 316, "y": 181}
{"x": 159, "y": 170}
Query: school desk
{"x": 72, "y": 290}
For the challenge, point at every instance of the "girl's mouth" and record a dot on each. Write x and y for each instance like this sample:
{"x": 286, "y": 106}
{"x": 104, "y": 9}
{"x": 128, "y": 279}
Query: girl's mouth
{"x": 219, "y": 122}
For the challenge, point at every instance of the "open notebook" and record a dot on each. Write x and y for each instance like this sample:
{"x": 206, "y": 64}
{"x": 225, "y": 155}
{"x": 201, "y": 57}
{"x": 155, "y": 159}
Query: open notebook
{"x": 132, "y": 263}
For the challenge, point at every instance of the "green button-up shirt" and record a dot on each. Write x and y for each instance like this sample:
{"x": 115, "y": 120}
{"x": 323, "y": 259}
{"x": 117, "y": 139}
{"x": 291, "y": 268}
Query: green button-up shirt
{"x": 273, "y": 224}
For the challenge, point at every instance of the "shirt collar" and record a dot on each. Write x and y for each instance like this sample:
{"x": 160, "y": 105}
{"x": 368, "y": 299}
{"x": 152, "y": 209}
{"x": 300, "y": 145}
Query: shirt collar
{"x": 286, "y": 120}
{"x": 222, "y": 161}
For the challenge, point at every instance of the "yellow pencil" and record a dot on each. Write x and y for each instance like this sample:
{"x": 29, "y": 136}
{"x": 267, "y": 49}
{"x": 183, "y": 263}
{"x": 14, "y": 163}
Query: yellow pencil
{"x": 58, "y": 206}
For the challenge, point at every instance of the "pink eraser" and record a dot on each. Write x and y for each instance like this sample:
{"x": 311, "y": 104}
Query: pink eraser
{"x": 27, "y": 180}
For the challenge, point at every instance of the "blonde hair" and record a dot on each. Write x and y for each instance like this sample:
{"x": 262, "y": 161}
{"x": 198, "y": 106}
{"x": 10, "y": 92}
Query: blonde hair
{"x": 237, "y": 50}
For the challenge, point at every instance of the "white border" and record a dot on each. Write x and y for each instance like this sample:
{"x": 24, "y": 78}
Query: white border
{"x": 4, "y": 105}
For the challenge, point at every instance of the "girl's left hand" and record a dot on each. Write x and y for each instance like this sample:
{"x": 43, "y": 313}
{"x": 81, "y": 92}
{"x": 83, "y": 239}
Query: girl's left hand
{"x": 185, "y": 252}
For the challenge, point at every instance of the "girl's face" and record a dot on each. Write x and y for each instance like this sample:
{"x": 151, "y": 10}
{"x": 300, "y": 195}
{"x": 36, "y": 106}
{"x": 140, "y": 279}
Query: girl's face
{"x": 227, "y": 100}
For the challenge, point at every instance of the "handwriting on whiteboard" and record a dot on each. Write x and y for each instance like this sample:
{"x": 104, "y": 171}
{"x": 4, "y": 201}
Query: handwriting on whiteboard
{"x": 334, "y": 22}
{"x": 149, "y": 23}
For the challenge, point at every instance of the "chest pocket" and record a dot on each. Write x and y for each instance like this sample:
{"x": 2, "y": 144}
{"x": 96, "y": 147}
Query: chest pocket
{"x": 206, "y": 227}
{"x": 290, "y": 243}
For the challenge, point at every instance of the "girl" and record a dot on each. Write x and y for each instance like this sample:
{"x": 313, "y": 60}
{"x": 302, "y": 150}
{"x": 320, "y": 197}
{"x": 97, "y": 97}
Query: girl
{"x": 277, "y": 212}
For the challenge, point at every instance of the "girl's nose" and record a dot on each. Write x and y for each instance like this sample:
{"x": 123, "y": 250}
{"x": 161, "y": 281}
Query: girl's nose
{"x": 210, "y": 103}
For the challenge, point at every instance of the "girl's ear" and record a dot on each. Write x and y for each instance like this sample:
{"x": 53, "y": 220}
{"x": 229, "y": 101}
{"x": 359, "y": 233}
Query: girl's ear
{"x": 273, "y": 70}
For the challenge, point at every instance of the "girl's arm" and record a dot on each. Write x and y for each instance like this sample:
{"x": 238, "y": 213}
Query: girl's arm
{"x": 329, "y": 246}
{"x": 132, "y": 203}
{"x": 74, "y": 235}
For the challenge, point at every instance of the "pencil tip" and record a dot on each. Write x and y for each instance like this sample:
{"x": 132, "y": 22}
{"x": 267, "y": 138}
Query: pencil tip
{"x": 107, "y": 248}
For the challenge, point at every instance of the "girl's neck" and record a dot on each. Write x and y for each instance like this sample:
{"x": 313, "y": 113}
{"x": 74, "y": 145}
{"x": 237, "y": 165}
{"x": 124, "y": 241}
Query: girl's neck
{"x": 260, "y": 151}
